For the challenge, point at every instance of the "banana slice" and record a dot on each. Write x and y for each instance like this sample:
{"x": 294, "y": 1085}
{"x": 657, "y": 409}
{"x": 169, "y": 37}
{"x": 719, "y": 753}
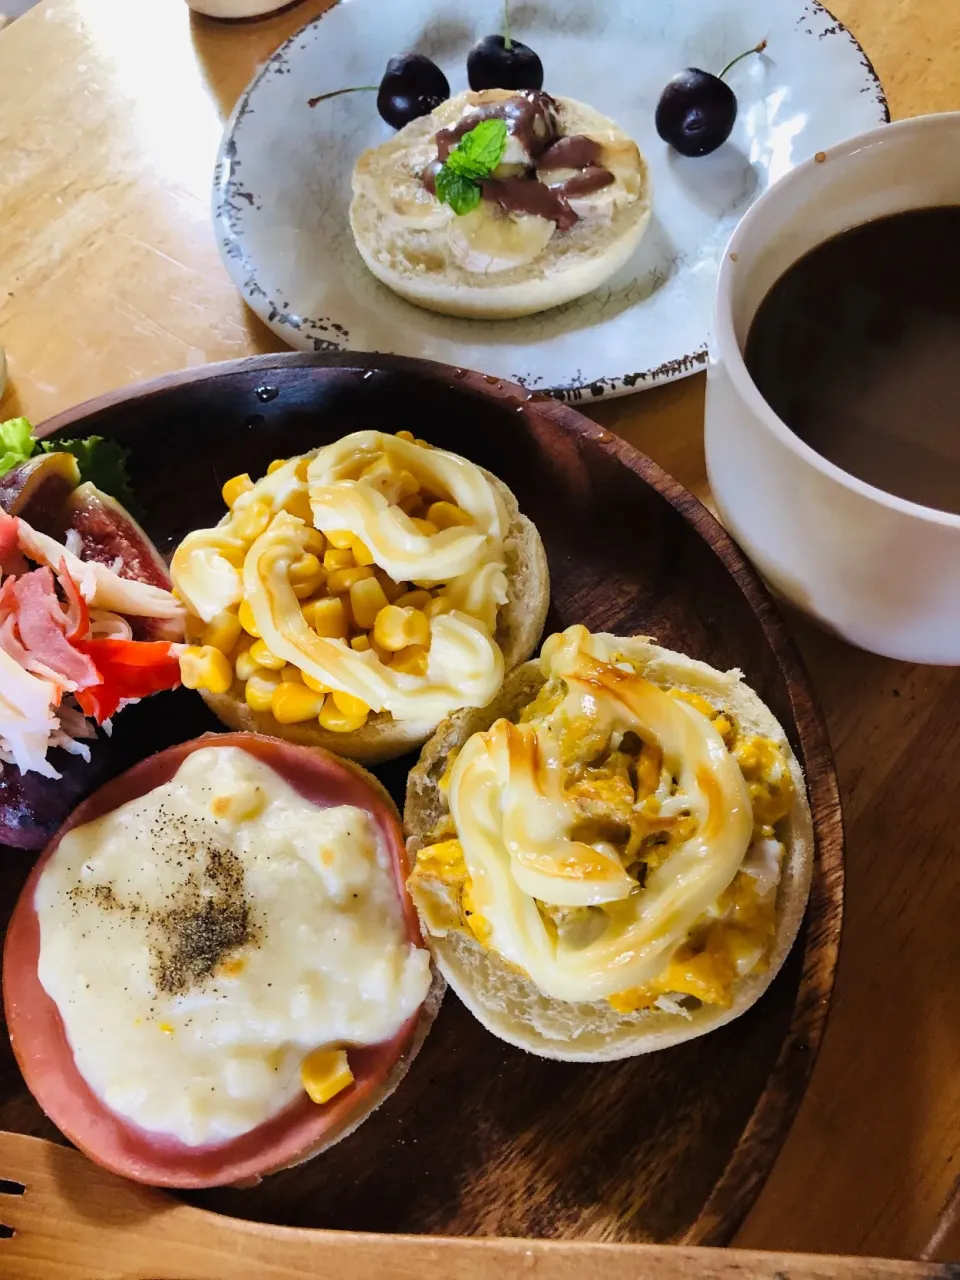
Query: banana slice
{"x": 487, "y": 240}
{"x": 621, "y": 157}
{"x": 391, "y": 178}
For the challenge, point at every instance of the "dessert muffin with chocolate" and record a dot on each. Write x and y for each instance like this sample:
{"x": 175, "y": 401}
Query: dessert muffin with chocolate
{"x": 500, "y": 204}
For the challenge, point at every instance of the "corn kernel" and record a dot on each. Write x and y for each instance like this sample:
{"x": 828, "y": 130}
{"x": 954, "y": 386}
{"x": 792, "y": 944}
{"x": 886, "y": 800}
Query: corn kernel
{"x": 193, "y": 628}
{"x": 234, "y": 487}
{"x": 244, "y": 665}
{"x": 307, "y": 576}
{"x": 412, "y": 661}
{"x": 405, "y": 485}
{"x": 294, "y": 703}
{"x": 337, "y": 721}
{"x": 328, "y": 617}
{"x": 362, "y": 553}
{"x": 405, "y": 435}
{"x": 325, "y": 1073}
{"x": 349, "y": 705}
{"x": 259, "y": 690}
{"x": 223, "y": 631}
{"x": 292, "y": 674}
{"x": 367, "y": 598}
{"x": 360, "y": 644}
{"x": 439, "y": 604}
{"x": 383, "y": 654}
{"x": 342, "y": 580}
{"x": 240, "y": 805}
{"x": 395, "y": 628}
{"x": 275, "y": 465}
{"x": 205, "y": 668}
{"x": 245, "y": 617}
{"x": 391, "y": 589}
{"x": 252, "y": 520}
{"x": 303, "y": 467}
{"x": 312, "y": 683}
{"x": 306, "y": 567}
{"x": 166, "y": 1028}
{"x": 341, "y": 539}
{"x": 424, "y": 444}
{"x": 263, "y": 657}
{"x": 446, "y": 515}
{"x": 413, "y": 505}
{"x": 298, "y": 504}
{"x": 334, "y": 559}
{"x": 315, "y": 542}
{"x": 425, "y": 526}
{"x": 418, "y": 599}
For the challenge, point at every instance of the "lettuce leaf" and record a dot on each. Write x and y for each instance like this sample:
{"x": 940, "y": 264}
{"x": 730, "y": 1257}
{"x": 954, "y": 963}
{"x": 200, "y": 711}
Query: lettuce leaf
{"x": 16, "y": 443}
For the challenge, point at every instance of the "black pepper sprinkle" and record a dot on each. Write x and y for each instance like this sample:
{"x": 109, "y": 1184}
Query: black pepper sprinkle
{"x": 203, "y": 919}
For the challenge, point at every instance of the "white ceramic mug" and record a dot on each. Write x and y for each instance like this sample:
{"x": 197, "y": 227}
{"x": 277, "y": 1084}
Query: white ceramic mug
{"x": 881, "y": 572}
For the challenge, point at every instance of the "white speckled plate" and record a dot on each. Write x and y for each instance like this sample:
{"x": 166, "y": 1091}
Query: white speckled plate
{"x": 282, "y": 183}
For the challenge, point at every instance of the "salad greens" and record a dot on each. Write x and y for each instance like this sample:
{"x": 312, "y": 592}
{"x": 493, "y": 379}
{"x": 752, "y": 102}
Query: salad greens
{"x": 101, "y": 462}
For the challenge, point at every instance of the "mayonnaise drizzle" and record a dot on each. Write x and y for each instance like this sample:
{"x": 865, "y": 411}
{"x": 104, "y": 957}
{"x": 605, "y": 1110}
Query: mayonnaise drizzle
{"x": 514, "y": 825}
{"x": 464, "y": 665}
{"x": 352, "y": 486}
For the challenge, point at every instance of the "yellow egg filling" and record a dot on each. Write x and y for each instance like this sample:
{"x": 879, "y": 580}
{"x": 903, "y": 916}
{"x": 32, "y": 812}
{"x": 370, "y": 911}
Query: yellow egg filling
{"x": 616, "y": 830}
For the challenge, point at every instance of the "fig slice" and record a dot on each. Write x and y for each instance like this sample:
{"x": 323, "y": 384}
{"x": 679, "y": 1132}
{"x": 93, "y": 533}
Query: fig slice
{"x": 38, "y": 488}
{"x": 109, "y": 535}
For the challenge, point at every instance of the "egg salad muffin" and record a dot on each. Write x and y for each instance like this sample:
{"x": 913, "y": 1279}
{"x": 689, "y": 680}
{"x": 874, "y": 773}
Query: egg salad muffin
{"x": 615, "y": 855}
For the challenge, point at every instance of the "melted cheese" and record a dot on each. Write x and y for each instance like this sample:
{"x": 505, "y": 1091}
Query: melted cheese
{"x": 200, "y": 942}
{"x": 352, "y": 487}
{"x": 537, "y": 881}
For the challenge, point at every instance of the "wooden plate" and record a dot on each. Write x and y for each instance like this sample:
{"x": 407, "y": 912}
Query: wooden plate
{"x": 482, "y": 1138}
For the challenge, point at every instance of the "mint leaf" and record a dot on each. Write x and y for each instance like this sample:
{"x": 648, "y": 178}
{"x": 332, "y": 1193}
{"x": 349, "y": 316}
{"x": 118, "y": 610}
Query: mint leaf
{"x": 479, "y": 152}
{"x": 102, "y": 462}
{"x": 16, "y": 443}
{"x": 474, "y": 158}
{"x": 460, "y": 193}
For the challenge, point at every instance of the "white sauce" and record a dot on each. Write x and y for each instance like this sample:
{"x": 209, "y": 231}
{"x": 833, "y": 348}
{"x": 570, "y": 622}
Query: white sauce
{"x": 327, "y": 962}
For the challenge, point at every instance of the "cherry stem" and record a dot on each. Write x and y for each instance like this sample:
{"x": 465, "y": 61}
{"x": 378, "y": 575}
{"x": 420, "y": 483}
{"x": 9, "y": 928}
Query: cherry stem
{"x": 507, "y": 42}
{"x": 357, "y": 88}
{"x": 740, "y": 56}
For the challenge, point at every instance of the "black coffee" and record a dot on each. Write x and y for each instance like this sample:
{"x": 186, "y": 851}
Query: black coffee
{"x": 857, "y": 349}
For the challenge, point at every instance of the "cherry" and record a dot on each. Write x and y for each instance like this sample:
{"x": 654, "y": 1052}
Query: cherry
{"x": 697, "y": 110}
{"x": 412, "y": 86}
{"x": 499, "y": 62}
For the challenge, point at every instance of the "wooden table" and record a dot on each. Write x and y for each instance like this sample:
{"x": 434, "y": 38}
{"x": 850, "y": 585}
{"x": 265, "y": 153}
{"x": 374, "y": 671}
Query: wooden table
{"x": 110, "y": 115}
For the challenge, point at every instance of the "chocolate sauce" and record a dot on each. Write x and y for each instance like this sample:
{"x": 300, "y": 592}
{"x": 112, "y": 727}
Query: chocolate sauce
{"x": 429, "y": 176}
{"x": 584, "y": 183}
{"x": 531, "y": 117}
{"x": 856, "y": 348}
{"x": 575, "y": 151}
{"x": 527, "y": 195}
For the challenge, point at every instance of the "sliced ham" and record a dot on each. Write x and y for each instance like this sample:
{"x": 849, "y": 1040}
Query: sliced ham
{"x": 47, "y": 1062}
{"x": 78, "y": 616}
{"x": 43, "y": 630}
